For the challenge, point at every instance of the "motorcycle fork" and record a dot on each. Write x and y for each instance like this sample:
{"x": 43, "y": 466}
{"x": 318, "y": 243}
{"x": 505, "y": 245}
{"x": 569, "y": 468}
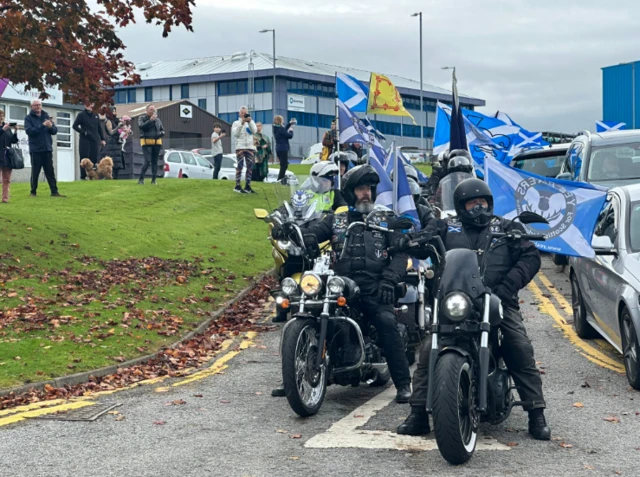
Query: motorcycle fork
{"x": 322, "y": 338}
{"x": 483, "y": 354}
{"x": 433, "y": 355}
{"x": 421, "y": 314}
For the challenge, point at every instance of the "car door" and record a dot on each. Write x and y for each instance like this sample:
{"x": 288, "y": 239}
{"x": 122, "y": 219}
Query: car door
{"x": 606, "y": 274}
{"x": 205, "y": 167}
{"x": 190, "y": 166}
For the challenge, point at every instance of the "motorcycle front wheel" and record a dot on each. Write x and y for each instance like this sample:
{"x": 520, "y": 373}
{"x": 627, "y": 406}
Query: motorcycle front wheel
{"x": 454, "y": 420}
{"x": 305, "y": 388}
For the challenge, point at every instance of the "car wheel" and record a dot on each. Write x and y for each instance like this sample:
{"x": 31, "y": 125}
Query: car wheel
{"x": 631, "y": 349}
{"x": 583, "y": 329}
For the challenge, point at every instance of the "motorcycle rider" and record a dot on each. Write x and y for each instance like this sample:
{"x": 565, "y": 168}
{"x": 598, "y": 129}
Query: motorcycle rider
{"x": 324, "y": 180}
{"x": 423, "y": 208}
{"x": 458, "y": 160}
{"x": 366, "y": 261}
{"x": 510, "y": 268}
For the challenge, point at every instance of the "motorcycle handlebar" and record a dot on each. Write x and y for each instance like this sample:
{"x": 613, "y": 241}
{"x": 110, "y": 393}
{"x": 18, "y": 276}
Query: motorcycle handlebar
{"x": 511, "y": 235}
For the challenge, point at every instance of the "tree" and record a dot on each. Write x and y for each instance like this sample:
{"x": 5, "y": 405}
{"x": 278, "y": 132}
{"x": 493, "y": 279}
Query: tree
{"x": 63, "y": 43}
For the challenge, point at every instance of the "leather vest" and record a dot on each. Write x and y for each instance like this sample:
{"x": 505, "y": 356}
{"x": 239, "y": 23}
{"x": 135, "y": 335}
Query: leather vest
{"x": 500, "y": 261}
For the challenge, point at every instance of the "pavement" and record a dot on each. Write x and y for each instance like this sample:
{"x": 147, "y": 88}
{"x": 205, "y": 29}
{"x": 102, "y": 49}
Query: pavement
{"x": 223, "y": 421}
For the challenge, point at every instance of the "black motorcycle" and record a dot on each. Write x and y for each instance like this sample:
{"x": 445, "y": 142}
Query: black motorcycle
{"x": 468, "y": 380}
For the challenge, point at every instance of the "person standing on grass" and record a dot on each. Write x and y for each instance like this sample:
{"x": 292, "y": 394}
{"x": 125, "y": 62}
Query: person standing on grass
{"x": 151, "y": 133}
{"x": 88, "y": 125}
{"x": 263, "y": 146}
{"x": 243, "y": 130}
{"x": 7, "y": 139}
{"x": 282, "y": 135}
{"x": 216, "y": 148}
{"x": 40, "y": 129}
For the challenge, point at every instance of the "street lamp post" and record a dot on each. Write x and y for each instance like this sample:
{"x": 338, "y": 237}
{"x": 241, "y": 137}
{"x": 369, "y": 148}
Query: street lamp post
{"x": 273, "y": 86}
{"x": 419, "y": 14}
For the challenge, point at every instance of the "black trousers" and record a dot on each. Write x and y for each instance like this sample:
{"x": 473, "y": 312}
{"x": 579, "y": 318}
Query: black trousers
{"x": 88, "y": 150}
{"x": 384, "y": 320}
{"x": 283, "y": 157}
{"x": 517, "y": 352}
{"x": 151, "y": 154}
{"x": 39, "y": 161}
{"x": 217, "y": 164}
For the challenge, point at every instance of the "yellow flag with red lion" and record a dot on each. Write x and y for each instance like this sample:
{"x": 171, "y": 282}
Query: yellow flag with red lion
{"x": 384, "y": 98}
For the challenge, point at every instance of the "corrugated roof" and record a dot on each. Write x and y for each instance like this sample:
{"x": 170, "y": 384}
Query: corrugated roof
{"x": 239, "y": 63}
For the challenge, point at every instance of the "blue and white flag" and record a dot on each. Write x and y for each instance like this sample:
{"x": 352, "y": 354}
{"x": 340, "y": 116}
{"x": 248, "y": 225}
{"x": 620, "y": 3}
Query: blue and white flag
{"x": 384, "y": 190}
{"x": 378, "y": 153}
{"x": 352, "y": 93}
{"x": 405, "y": 205}
{"x": 571, "y": 208}
{"x": 458, "y": 134}
{"x": 390, "y": 160}
{"x": 372, "y": 130}
{"x": 606, "y": 126}
{"x": 351, "y": 127}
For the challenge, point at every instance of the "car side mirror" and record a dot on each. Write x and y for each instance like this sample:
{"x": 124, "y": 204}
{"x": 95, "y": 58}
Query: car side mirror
{"x": 565, "y": 176}
{"x": 603, "y": 245}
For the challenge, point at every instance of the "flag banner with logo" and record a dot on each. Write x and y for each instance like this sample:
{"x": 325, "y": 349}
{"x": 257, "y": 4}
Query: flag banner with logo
{"x": 571, "y": 208}
{"x": 384, "y": 98}
{"x": 352, "y": 93}
{"x": 373, "y": 130}
{"x": 606, "y": 126}
{"x": 352, "y": 130}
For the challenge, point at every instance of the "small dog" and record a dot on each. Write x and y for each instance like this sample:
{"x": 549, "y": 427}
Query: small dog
{"x": 105, "y": 168}
{"x": 87, "y": 165}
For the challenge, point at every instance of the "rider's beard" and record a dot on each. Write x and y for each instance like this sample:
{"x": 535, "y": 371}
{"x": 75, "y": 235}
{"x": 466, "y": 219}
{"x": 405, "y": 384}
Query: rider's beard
{"x": 364, "y": 207}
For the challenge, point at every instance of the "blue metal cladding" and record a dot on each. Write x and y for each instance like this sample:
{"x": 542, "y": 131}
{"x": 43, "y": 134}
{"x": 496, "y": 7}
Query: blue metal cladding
{"x": 617, "y": 93}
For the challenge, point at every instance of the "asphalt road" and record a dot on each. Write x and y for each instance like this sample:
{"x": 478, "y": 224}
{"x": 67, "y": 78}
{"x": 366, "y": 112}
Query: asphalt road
{"x": 229, "y": 424}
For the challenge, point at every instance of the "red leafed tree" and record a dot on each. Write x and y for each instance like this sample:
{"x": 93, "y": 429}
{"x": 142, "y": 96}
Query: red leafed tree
{"x": 63, "y": 43}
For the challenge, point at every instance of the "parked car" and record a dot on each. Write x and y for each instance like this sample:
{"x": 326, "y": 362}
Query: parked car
{"x": 606, "y": 289}
{"x": 314, "y": 154}
{"x": 206, "y": 153}
{"x": 545, "y": 162}
{"x": 228, "y": 170}
{"x": 186, "y": 164}
{"x": 607, "y": 159}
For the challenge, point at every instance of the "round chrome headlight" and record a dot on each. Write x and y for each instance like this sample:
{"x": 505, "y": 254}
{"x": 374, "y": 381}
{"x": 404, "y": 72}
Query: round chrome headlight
{"x": 283, "y": 244}
{"x": 336, "y": 285}
{"x": 289, "y": 286}
{"x": 457, "y": 306}
{"x": 311, "y": 284}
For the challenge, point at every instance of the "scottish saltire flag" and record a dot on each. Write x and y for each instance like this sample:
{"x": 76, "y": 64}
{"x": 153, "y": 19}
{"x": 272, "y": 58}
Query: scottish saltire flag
{"x": 571, "y": 208}
{"x": 352, "y": 93}
{"x": 390, "y": 160}
{"x": 378, "y": 153}
{"x": 458, "y": 135}
{"x": 605, "y": 126}
{"x": 421, "y": 176}
{"x": 351, "y": 127}
{"x": 372, "y": 130}
{"x": 404, "y": 204}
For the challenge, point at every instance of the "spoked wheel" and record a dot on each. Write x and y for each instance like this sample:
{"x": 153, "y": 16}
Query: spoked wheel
{"x": 454, "y": 418}
{"x": 631, "y": 349}
{"x": 583, "y": 329}
{"x": 305, "y": 388}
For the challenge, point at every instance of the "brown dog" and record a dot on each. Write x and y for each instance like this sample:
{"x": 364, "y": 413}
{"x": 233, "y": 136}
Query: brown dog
{"x": 87, "y": 165}
{"x": 105, "y": 168}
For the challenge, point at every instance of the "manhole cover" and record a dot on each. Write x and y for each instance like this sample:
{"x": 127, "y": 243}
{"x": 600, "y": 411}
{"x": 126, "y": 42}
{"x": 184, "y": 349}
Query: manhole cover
{"x": 89, "y": 413}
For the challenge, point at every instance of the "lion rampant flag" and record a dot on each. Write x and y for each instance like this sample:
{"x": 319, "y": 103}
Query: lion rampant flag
{"x": 384, "y": 98}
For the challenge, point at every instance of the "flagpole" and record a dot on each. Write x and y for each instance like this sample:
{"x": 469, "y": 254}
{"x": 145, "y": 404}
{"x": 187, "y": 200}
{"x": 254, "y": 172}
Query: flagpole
{"x": 395, "y": 179}
{"x": 338, "y": 133}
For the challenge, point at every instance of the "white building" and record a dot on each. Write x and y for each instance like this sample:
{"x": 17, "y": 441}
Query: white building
{"x": 304, "y": 90}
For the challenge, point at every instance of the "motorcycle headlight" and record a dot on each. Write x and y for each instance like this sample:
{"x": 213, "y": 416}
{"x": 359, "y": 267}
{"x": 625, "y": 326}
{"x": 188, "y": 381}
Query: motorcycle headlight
{"x": 283, "y": 244}
{"x": 336, "y": 285}
{"x": 289, "y": 286}
{"x": 311, "y": 284}
{"x": 457, "y": 306}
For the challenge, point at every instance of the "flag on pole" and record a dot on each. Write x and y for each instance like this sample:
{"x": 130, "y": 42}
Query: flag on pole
{"x": 390, "y": 159}
{"x": 384, "y": 190}
{"x": 405, "y": 205}
{"x": 607, "y": 126}
{"x": 384, "y": 98}
{"x": 571, "y": 208}
{"x": 352, "y": 93}
{"x": 458, "y": 132}
{"x": 378, "y": 153}
{"x": 351, "y": 127}
{"x": 373, "y": 130}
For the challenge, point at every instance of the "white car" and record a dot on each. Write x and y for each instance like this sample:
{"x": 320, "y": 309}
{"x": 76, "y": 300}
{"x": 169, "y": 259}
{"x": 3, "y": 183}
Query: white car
{"x": 314, "y": 154}
{"x": 186, "y": 164}
{"x": 228, "y": 170}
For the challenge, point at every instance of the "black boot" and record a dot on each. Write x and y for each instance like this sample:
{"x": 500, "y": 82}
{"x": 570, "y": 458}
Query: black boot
{"x": 417, "y": 424}
{"x": 279, "y": 391}
{"x": 403, "y": 394}
{"x": 538, "y": 427}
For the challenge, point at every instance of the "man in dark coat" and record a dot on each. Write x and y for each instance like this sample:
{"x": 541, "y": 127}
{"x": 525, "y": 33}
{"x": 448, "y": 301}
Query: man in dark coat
{"x": 151, "y": 133}
{"x": 87, "y": 124}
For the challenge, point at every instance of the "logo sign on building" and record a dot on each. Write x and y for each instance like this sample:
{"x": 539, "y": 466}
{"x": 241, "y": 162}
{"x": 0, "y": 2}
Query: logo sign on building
{"x": 19, "y": 93}
{"x": 186, "y": 111}
{"x": 295, "y": 102}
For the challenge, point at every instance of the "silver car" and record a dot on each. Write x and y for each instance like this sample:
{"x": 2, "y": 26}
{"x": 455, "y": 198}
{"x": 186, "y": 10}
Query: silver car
{"x": 606, "y": 289}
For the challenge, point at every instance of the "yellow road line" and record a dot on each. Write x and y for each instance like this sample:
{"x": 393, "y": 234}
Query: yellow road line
{"x": 584, "y": 348}
{"x": 5, "y": 421}
{"x": 562, "y": 301}
{"x": 31, "y": 407}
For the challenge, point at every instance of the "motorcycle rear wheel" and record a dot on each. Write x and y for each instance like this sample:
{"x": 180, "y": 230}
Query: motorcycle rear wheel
{"x": 305, "y": 389}
{"x": 454, "y": 420}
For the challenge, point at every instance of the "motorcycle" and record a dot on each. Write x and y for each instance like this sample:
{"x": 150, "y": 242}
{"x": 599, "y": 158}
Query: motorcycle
{"x": 468, "y": 380}
{"x": 327, "y": 341}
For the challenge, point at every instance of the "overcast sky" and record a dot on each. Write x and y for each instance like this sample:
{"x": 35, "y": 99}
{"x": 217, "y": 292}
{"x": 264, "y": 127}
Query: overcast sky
{"x": 538, "y": 60}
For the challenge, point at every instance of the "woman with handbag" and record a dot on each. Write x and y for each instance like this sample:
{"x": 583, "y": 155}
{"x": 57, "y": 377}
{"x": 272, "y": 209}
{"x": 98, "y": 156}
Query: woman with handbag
{"x": 7, "y": 139}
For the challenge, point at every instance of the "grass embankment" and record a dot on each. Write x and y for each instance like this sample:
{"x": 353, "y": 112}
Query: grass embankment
{"x": 78, "y": 287}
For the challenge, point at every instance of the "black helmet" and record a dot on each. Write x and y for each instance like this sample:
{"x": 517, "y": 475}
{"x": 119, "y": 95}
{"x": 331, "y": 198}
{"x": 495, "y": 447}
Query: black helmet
{"x": 460, "y": 164}
{"x": 473, "y": 189}
{"x": 359, "y": 175}
{"x": 409, "y": 171}
{"x": 458, "y": 153}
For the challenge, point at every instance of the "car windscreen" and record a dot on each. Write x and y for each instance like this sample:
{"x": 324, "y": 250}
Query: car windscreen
{"x": 547, "y": 166}
{"x": 614, "y": 162}
{"x": 634, "y": 227}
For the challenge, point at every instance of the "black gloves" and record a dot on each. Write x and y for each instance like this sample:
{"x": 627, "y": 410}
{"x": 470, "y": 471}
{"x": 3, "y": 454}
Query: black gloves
{"x": 278, "y": 232}
{"x": 386, "y": 293}
{"x": 505, "y": 291}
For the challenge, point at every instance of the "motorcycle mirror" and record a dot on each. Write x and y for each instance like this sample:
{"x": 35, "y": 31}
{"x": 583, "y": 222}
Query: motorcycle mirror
{"x": 531, "y": 218}
{"x": 260, "y": 213}
{"x": 311, "y": 242}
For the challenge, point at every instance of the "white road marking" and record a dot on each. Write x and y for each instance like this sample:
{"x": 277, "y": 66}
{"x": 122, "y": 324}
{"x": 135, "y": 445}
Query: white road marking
{"x": 346, "y": 432}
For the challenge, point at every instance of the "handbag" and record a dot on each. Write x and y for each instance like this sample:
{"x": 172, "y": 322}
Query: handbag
{"x": 15, "y": 158}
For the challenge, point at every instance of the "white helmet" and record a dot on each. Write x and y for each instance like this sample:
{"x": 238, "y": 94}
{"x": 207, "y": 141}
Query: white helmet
{"x": 324, "y": 169}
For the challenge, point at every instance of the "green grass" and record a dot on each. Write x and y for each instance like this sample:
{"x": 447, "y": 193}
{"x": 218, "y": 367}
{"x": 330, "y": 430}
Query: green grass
{"x": 80, "y": 325}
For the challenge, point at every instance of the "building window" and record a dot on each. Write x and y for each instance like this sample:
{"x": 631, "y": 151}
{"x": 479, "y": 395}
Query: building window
{"x": 131, "y": 95}
{"x": 17, "y": 113}
{"x": 63, "y": 122}
{"x": 263, "y": 85}
{"x": 304, "y": 119}
{"x": 202, "y": 104}
{"x": 228, "y": 88}
{"x": 324, "y": 121}
{"x": 184, "y": 91}
{"x": 170, "y": 93}
{"x": 393, "y": 129}
{"x": 148, "y": 94}
{"x": 409, "y": 130}
{"x": 428, "y": 132}
{"x": 264, "y": 117}
{"x": 120, "y": 96}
